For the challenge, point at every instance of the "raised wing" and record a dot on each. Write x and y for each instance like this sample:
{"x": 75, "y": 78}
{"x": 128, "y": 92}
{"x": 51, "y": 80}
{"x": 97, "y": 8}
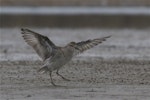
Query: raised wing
{"x": 41, "y": 44}
{"x": 85, "y": 45}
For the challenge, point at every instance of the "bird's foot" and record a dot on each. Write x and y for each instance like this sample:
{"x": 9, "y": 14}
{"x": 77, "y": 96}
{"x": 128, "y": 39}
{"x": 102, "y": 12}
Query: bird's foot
{"x": 54, "y": 84}
{"x": 64, "y": 78}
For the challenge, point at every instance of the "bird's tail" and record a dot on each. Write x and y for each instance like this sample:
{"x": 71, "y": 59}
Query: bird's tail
{"x": 43, "y": 70}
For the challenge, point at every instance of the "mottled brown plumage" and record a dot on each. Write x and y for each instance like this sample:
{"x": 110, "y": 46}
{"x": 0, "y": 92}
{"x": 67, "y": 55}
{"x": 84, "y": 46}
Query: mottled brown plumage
{"x": 55, "y": 57}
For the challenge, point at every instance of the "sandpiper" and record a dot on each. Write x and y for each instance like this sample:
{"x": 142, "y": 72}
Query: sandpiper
{"x": 55, "y": 57}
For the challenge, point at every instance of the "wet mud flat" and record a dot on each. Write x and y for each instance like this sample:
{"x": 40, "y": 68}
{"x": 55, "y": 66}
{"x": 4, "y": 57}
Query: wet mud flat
{"x": 91, "y": 79}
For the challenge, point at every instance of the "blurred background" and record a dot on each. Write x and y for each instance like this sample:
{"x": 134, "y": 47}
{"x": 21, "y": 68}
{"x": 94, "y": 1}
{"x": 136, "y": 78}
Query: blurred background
{"x": 128, "y": 21}
{"x": 75, "y": 13}
{"x": 117, "y": 69}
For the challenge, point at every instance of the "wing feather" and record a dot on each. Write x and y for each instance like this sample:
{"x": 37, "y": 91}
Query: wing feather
{"x": 41, "y": 44}
{"x": 85, "y": 45}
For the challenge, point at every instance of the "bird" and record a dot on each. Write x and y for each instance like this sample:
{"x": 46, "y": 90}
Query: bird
{"x": 55, "y": 57}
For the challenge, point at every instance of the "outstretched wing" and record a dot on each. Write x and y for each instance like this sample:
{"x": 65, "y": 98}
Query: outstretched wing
{"x": 85, "y": 45}
{"x": 41, "y": 44}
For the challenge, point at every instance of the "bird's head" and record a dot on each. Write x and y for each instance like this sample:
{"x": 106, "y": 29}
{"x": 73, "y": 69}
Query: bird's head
{"x": 72, "y": 44}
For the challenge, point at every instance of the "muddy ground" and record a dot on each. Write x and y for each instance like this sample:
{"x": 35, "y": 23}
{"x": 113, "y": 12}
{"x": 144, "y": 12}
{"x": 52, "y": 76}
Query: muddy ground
{"x": 90, "y": 80}
{"x": 118, "y": 69}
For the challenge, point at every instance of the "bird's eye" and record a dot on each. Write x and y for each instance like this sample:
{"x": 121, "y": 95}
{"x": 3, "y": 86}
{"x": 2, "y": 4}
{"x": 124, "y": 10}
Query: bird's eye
{"x": 72, "y": 42}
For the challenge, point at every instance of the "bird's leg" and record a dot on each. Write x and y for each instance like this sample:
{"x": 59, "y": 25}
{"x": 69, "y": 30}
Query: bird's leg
{"x": 50, "y": 74}
{"x": 57, "y": 72}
